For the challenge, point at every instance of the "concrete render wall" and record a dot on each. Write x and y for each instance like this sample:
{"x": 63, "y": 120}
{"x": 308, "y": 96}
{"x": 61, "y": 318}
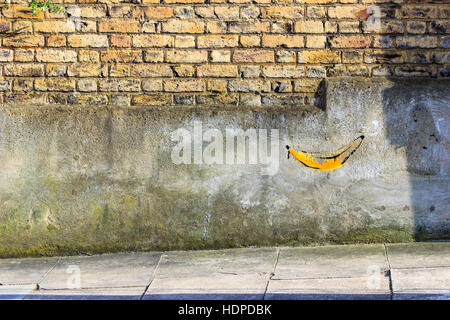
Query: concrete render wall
{"x": 196, "y": 52}
{"x": 77, "y": 179}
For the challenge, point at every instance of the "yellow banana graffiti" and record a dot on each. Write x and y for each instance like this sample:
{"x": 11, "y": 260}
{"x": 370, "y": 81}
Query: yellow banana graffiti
{"x": 326, "y": 161}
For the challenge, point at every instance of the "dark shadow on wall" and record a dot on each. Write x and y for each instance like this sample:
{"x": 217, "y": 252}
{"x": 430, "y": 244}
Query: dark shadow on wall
{"x": 414, "y": 113}
{"x": 415, "y": 106}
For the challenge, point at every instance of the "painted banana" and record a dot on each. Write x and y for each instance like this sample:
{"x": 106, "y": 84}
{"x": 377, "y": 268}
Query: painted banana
{"x": 326, "y": 161}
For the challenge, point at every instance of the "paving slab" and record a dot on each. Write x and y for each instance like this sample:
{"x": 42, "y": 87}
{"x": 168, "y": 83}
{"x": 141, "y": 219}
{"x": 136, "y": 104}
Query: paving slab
{"x": 107, "y": 270}
{"x": 209, "y": 262}
{"x": 234, "y": 287}
{"x": 330, "y": 262}
{"x": 134, "y": 293}
{"x": 426, "y": 283}
{"x": 25, "y": 271}
{"x": 360, "y": 288}
{"x": 15, "y": 292}
{"x": 419, "y": 255}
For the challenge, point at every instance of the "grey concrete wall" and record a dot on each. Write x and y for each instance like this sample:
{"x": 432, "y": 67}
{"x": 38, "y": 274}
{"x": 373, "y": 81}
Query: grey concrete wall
{"x": 91, "y": 179}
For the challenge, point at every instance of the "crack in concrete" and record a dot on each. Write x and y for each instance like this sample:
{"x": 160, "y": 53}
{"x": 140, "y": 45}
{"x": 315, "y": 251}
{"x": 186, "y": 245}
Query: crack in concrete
{"x": 391, "y": 290}
{"x": 152, "y": 277}
{"x": 36, "y": 285}
{"x": 273, "y": 272}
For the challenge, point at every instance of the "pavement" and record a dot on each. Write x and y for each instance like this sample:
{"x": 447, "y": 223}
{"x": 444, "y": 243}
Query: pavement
{"x": 379, "y": 271}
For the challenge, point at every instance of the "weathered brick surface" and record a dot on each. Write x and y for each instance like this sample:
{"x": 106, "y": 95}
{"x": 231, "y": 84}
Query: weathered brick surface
{"x": 261, "y": 52}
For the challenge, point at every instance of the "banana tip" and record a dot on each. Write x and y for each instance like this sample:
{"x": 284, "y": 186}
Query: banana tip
{"x": 287, "y": 147}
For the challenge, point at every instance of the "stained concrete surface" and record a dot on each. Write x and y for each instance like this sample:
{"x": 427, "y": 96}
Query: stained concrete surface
{"x": 216, "y": 262}
{"x": 419, "y": 255}
{"x": 131, "y": 293}
{"x": 78, "y": 179}
{"x": 331, "y": 261}
{"x": 225, "y": 286}
{"x": 134, "y": 269}
{"x": 374, "y": 287}
{"x": 25, "y": 271}
{"x": 427, "y": 282}
{"x": 117, "y": 275}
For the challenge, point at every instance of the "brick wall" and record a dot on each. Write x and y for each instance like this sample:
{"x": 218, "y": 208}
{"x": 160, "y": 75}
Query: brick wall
{"x": 246, "y": 52}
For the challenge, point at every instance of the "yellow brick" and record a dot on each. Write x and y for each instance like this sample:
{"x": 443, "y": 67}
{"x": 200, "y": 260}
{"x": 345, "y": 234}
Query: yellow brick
{"x": 51, "y": 55}
{"x": 24, "y": 85}
{"x": 254, "y": 85}
{"x": 89, "y": 99}
{"x": 153, "y": 56}
{"x": 217, "y": 85}
{"x": 288, "y": 12}
{"x": 309, "y": 27}
{"x": 54, "y": 84}
{"x": 24, "y": 40}
{"x": 130, "y": 85}
{"x": 53, "y": 26}
{"x": 306, "y": 85}
{"x": 249, "y": 27}
{"x": 358, "y": 41}
{"x": 316, "y": 41}
{"x": 119, "y": 70}
{"x": 216, "y": 27}
{"x": 149, "y": 27}
{"x": 250, "y": 41}
{"x": 318, "y": 1}
{"x": 21, "y": 11}
{"x": 187, "y": 56}
{"x": 92, "y": 11}
{"x": 220, "y": 56}
{"x": 121, "y": 55}
{"x": 158, "y": 12}
{"x": 152, "y": 85}
{"x": 219, "y": 71}
{"x": 257, "y": 56}
{"x": 183, "y": 85}
{"x": 55, "y": 70}
{"x": 6, "y": 55}
{"x": 184, "y": 1}
{"x": 183, "y": 26}
{"x": 86, "y": 70}
{"x": 286, "y": 56}
{"x": 288, "y": 41}
{"x": 152, "y": 40}
{"x": 23, "y": 55}
{"x": 152, "y": 99}
{"x": 56, "y": 41}
{"x": 24, "y": 70}
{"x": 184, "y": 71}
{"x": 88, "y": 56}
{"x": 319, "y": 56}
{"x": 283, "y": 71}
{"x": 345, "y": 12}
{"x": 184, "y": 41}
{"x": 120, "y": 40}
{"x": 227, "y": 12}
{"x": 87, "y": 40}
{"x": 121, "y": 26}
{"x": 217, "y": 41}
{"x": 148, "y": 70}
